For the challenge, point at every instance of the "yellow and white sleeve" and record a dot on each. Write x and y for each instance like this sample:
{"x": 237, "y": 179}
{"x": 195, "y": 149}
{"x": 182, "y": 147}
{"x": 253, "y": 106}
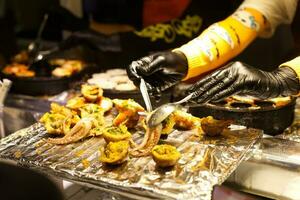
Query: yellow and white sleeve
{"x": 222, "y": 41}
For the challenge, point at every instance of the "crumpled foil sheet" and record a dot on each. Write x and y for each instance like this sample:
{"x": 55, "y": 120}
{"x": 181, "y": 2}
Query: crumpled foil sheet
{"x": 138, "y": 178}
{"x": 293, "y": 132}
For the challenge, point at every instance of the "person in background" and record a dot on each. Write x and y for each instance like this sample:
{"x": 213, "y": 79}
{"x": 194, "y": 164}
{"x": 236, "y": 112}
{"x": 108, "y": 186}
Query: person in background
{"x": 129, "y": 30}
{"x": 219, "y": 43}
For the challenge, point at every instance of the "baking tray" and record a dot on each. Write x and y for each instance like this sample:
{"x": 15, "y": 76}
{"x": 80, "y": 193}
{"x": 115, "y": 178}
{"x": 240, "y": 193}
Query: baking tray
{"x": 138, "y": 178}
{"x": 273, "y": 120}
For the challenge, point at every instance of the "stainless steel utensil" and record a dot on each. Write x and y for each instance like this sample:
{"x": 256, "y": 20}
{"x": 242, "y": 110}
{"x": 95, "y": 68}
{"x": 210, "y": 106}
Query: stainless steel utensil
{"x": 34, "y": 47}
{"x": 146, "y": 98}
{"x": 162, "y": 112}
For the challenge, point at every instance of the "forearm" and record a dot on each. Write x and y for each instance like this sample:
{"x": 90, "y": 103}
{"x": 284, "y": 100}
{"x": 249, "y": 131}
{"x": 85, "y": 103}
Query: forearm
{"x": 222, "y": 41}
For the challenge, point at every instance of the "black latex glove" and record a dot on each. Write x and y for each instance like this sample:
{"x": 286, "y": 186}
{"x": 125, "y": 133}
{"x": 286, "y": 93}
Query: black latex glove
{"x": 160, "y": 70}
{"x": 238, "y": 78}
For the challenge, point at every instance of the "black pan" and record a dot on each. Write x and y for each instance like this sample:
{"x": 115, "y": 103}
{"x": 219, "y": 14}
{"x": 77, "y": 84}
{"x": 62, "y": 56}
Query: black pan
{"x": 273, "y": 120}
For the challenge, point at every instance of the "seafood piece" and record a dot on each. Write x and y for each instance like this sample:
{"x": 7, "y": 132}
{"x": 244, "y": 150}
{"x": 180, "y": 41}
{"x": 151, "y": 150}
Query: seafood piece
{"x": 91, "y": 92}
{"x": 106, "y": 104}
{"x": 78, "y": 132}
{"x": 114, "y": 134}
{"x": 185, "y": 120}
{"x": 115, "y": 152}
{"x": 75, "y": 103}
{"x": 168, "y": 124}
{"x": 53, "y": 123}
{"x": 95, "y": 112}
{"x": 90, "y": 109}
{"x": 151, "y": 139}
{"x": 128, "y": 112}
{"x": 56, "y": 108}
{"x": 181, "y": 120}
{"x": 213, "y": 127}
{"x": 61, "y": 72}
{"x": 165, "y": 155}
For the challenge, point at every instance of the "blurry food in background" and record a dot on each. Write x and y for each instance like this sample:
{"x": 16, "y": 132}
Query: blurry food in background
{"x": 19, "y": 70}
{"x": 66, "y": 67}
{"x": 20, "y": 67}
{"x": 113, "y": 79}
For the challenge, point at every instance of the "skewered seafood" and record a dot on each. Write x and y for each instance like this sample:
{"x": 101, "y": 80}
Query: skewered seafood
{"x": 213, "y": 127}
{"x": 115, "y": 152}
{"x": 165, "y": 155}
{"x": 114, "y": 134}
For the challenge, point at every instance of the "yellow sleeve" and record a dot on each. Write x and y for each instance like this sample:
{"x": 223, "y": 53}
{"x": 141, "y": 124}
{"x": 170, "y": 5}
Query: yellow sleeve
{"x": 294, "y": 64}
{"x": 222, "y": 41}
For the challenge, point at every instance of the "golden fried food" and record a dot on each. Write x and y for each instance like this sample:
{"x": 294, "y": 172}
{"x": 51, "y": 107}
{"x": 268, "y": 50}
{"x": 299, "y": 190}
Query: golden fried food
{"x": 106, "y": 104}
{"x": 61, "y": 72}
{"x": 213, "y": 127}
{"x": 115, "y": 152}
{"x": 66, "y": 67}
{"x": 165, "y": 155}
{"x": 91, "y": 93}
{"x": 75, "y": 103}
{"x": 21, "y": 57}
{"x": 53, "y": 123}
{"x": 168, "y": 124}
{"x": 114, "y": 133}
{"x": 19, "y": 70}
{"x": 128, "y": 112}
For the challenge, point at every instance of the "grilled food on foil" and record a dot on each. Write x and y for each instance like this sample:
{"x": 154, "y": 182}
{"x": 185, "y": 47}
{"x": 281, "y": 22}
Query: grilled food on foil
{"x": 165, "y": 155}
{"x": 86, "y": 116}
{"x": 115, "y": 152}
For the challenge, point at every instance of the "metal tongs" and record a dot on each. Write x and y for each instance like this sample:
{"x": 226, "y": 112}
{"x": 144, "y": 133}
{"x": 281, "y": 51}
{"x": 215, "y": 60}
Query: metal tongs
{"x": 34, "y": 47}
{"x": 145, "y": 95}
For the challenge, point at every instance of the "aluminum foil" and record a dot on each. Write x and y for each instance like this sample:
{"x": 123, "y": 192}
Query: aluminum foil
{"x": 138, "y": 178}
{"x": 293, "y": 132}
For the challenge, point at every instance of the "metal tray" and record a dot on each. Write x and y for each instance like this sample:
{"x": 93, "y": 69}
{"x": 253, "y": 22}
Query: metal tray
{"x": 138, "y": 178}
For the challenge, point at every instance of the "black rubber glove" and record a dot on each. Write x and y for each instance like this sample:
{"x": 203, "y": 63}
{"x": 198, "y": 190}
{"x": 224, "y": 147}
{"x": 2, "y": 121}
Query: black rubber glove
{"x": 238, "y": 78}
{"x": 160, "y": 71}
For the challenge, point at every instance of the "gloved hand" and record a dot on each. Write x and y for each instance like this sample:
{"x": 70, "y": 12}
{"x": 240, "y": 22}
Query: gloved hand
{"x": 160, "y": 70}
{"x": 238, "y": 78}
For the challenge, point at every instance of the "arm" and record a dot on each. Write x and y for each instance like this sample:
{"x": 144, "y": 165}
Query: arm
{"x": 239, "y": 78}
{"x": 215, "y": 46}
{"x": 224, "y": 40}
